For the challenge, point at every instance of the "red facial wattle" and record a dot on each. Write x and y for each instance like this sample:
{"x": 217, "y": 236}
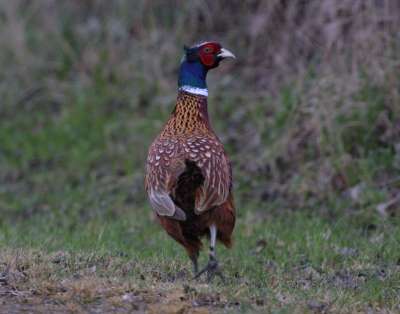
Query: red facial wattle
{"x": 208, "y": 53}
{"x": 207, "y": 59}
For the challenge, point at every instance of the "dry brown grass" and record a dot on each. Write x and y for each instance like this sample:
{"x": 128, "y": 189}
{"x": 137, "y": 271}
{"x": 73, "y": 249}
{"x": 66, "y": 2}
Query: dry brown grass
{"x": 277, "y": 41}
{"x": 314, "y": 91}
{"x": 37, "y": 282}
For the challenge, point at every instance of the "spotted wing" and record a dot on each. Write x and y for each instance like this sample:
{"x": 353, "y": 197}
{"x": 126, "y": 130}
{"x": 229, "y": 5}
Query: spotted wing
{"x": 163, "y": 168}
{"x": 210, "y": 157}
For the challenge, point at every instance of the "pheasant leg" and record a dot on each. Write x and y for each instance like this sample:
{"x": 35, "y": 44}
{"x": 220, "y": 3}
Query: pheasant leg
{"x": 212, "y": 268}
{"x": 195, "y": 264}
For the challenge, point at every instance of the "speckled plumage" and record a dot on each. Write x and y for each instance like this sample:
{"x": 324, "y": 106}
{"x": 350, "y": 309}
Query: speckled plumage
{"x": 188, "y": 136}
{"x": 188, "y": 174}
{"x": 188, "y": 143}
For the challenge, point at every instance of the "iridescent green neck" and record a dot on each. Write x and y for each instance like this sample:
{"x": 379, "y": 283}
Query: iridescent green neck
{"x": 192, "y": 78}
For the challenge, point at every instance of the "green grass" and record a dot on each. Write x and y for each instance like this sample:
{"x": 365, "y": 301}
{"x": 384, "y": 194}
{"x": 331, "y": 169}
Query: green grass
{"x": 312, "y": 133}
{"x": 282, "y": 262}
{"x": 72, "y": 186}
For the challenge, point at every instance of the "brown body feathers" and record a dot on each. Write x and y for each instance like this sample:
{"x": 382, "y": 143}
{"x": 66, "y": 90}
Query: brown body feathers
{"x": 188, "y": 176}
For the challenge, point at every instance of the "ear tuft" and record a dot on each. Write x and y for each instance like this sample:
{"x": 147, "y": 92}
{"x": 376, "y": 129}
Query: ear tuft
{"x": 191, "y": 53}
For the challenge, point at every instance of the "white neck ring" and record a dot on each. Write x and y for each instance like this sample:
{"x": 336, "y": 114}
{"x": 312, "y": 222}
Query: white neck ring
{"x": 194, "y": 90}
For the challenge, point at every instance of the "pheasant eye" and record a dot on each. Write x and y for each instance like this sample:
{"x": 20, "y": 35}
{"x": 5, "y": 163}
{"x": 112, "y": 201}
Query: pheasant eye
{"x": 207, "y": 50}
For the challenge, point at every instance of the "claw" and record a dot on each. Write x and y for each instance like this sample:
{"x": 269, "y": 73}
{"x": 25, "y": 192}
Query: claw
{"x": 212, "y": 269}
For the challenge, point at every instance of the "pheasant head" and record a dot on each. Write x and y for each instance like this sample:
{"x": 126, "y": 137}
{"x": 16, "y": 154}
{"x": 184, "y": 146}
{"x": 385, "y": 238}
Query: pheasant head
{"x": 196, "y": 62}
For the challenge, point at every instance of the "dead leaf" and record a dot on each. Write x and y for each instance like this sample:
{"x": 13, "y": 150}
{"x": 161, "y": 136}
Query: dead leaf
{"x": 176, "y": 308}
{"x": 384, "y": 208}
{"x": 260, "y": 245}
{"x": 346, "y": 251}
{"x": 355, "y": 192}
{"x": 316, "y": 306}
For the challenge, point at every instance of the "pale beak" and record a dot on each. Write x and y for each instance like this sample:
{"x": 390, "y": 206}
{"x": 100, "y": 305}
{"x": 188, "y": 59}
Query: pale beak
{"x": 225, "y": 53}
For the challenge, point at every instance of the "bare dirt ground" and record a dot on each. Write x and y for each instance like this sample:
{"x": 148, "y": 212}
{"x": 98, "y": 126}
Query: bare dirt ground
{"x": 81, "y": 296}
{"x": 32, "y": 287}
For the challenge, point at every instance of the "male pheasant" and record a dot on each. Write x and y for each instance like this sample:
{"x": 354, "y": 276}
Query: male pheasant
{"x": 188, "y": 174}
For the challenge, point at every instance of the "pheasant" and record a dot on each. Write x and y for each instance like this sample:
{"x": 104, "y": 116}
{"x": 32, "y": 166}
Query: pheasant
{"x": 188, "y": 174}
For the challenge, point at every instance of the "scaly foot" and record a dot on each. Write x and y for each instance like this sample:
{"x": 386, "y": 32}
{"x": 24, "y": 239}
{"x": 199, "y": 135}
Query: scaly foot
{"x": 212, "y": 269}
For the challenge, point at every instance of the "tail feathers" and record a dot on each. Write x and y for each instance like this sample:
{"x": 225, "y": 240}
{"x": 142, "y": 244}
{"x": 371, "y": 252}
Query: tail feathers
{"x": 224, "y": 217}
{"x": 174, "y": 229}
{"x": 226, "y": 240}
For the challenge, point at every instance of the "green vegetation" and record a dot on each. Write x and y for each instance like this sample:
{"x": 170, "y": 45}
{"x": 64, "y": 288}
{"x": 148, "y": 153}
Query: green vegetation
{"x": 314, "y": 143}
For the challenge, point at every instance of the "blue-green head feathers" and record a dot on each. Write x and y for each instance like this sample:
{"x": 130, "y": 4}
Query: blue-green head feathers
{"x": 196, "y": 62}
{"x": 192, "y": 72}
